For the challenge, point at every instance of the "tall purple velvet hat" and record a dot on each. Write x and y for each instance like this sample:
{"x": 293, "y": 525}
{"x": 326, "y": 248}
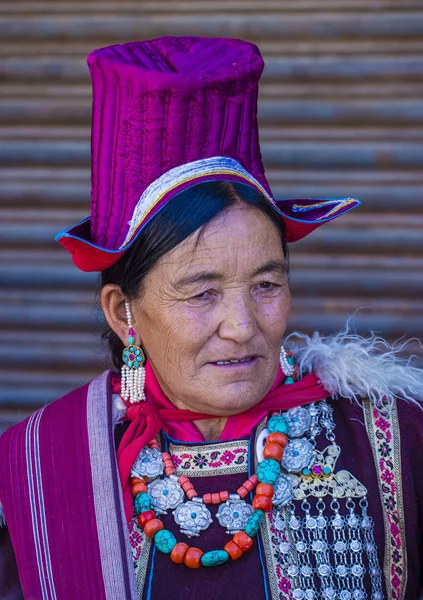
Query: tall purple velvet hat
{"x": 168, "y": 114}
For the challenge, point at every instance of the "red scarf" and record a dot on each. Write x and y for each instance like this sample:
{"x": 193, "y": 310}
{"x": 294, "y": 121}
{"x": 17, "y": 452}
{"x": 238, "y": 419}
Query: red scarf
{"x": 147, "y": 419}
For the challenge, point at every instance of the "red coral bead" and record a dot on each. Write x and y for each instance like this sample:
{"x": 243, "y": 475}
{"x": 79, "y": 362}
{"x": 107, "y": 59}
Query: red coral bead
{"x": 265, "y": 489}
{"x": 178, "y": 553}
{"x": 144, "y": 517}
{"x": 249, "y": 485}
{"x": 192, "y": 558}
{"x": 152, "y": 527}
{"x": 243, "y": 540}
{"x": 138, "y": 488}
{"x": 242, "y": 492}
{"x": 263, "y": 503}
{"x": 278, "y": 438}
{"x": 233, "y": 550}
{"x": 273, "y": 450}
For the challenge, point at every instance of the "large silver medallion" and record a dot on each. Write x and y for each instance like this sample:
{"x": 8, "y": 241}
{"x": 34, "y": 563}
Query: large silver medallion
{"x": 149, "y": 463}
{"x": 165, "y": 494}
{"x": 297, "y": 456}
{"x": 283, "y": 490}
{"x": 299, "y": 420}
{"x": 192, "y": 517}
{"x": 234, "y": 515}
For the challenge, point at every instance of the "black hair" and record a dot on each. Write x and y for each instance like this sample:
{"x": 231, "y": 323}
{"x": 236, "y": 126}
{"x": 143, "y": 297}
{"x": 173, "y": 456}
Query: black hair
{"x": 187, "y": 212}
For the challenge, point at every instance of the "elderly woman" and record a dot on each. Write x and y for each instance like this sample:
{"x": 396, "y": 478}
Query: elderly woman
{"x": 212, "y": 463}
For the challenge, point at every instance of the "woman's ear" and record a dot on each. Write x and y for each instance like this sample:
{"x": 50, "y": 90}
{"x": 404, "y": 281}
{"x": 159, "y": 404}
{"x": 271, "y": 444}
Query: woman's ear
{"x": 113, "y": 304}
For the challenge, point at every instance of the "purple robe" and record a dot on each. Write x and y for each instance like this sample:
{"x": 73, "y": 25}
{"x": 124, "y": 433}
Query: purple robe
{"x": 60, "y": 490}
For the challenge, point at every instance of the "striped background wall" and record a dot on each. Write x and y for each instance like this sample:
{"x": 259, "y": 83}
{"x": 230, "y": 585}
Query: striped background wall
{"x": 341, "y": 113}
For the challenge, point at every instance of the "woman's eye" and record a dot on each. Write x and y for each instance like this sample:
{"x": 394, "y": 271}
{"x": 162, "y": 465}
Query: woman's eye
{"x": 267, "y": 285}
{"x": 207, "y": 295}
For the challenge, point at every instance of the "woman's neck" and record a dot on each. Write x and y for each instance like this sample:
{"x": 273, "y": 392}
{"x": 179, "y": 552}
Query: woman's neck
{"x": 211, "y": 428}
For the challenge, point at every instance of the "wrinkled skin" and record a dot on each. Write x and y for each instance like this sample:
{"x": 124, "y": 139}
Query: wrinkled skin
{"x": 217, "y": 296}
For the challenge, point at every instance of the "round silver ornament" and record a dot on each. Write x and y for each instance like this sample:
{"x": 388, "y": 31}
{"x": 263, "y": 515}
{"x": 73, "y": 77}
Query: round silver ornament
{"x": 234, "y": 515}
{"x": 165, "y": 494}
{"x": 149, "y": 463}
{"x": 283, "y": 490}
{"x": 192, "y": 517}
{"x": 297, "y": 456}
{"x": 299, "y": 420}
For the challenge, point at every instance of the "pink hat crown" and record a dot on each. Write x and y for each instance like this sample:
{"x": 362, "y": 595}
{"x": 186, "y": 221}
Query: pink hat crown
{"x": 168, "y": 114}
{"x": 164, "y": 103}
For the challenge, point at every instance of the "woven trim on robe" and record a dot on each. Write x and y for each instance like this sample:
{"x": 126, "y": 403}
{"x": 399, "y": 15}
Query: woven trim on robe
{"x": 385, "y": 440}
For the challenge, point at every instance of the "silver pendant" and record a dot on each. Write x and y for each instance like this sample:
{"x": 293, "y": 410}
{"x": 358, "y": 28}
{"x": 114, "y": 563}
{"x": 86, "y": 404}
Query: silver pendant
{"x": 234, "y": 515}
{"x": 165, "y": 494}
{"x": 299, "y": 420}
{"x": 149, "y": 463}
{"x": 283, "y": 491}
{"x": 297, "y": 456}
{"x": 192, "y": 517}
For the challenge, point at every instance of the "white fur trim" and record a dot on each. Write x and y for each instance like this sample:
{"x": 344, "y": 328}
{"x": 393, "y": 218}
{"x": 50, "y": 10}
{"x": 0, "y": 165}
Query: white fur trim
{"x": 351, "y": 366}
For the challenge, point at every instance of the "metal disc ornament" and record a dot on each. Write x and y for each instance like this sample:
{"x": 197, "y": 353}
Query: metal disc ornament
{"x": 234, "y": 515}
{"x": 165, "y": 494}
{"x": 192, "y": 517}
{"x": 299, "y": 420}
{"x": 297, "y": 456}
{"x": 149, "y": 463}
{"x": 283, "y": 491}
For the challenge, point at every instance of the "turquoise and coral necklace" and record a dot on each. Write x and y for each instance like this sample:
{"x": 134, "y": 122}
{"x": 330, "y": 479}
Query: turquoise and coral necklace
{"x": 154, "y": 496}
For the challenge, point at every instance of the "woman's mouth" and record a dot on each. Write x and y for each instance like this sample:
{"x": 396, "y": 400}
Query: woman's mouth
{"x": 236, "y": 363}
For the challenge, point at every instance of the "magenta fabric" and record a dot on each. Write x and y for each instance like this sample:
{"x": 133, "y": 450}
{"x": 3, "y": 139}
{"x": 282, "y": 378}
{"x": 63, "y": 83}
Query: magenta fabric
{"x": 64, "y": 495}
{"x": 53, "y": 486}
{"x": 162, "y": 103}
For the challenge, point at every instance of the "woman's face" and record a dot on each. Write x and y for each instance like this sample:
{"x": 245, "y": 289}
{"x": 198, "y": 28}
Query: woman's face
{"x": 215, "y": 299}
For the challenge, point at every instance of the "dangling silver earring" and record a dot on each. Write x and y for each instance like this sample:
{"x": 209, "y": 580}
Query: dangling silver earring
{"x": 287, "y": 363}
{"x": 133, "y": 372}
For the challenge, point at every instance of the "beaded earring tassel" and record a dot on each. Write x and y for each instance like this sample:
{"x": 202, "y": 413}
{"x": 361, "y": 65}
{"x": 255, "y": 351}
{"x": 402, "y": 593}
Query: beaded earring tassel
{"x": 133, "y": 372}
{"x": 287, "y": 363}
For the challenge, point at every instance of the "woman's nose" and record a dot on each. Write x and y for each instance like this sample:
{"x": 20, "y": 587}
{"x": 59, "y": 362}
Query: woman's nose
{"x": 238, "y": 321}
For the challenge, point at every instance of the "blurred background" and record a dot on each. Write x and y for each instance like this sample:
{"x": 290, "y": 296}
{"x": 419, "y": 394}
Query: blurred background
{"x": 341, "y": 114}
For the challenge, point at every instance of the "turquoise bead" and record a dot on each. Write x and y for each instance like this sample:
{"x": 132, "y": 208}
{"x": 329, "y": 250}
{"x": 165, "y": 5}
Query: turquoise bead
{"x": 290, "y": 360}
{"x": 254, "y": 522}
{"x": 165, "y": 541}
{"x": 278, "y": 423}
{"x": 268, "y": 471}
{"x": 214, "y": 558}
{"x": 131, "y": 339}
{"x": 288, "y": 380}
{"x": 142, "y": 503}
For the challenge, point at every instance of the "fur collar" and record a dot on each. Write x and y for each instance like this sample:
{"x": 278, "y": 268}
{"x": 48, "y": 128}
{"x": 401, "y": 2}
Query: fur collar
{"x": 354, "y": 367}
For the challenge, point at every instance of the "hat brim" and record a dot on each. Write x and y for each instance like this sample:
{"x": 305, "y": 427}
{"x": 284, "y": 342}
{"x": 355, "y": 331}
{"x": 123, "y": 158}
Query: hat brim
{"x": 300, "y": 215}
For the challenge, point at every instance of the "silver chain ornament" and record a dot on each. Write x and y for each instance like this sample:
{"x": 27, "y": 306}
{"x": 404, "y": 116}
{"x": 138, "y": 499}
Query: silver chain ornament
{"x": 327, "y": 547}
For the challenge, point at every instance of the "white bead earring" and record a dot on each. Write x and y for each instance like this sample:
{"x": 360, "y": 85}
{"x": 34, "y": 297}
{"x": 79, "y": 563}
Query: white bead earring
{"x": 287, "y": 366}
{"x": 133, "y": 372}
